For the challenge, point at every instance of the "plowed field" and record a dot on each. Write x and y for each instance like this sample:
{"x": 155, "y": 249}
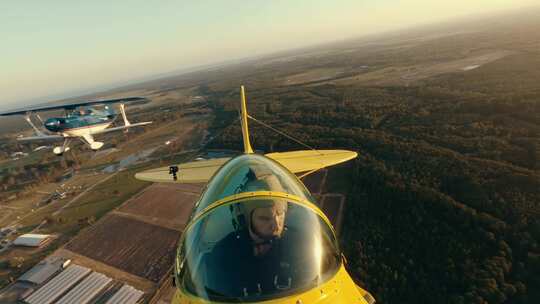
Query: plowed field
{"x": 314, "y": 181}
{"x": 164, "y": 204}
{"x": 136, "y": 247}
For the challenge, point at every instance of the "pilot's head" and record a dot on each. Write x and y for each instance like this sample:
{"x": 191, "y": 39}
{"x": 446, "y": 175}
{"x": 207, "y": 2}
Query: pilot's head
{"x": 265, "y": 218}
{"x": 268, "y": 220}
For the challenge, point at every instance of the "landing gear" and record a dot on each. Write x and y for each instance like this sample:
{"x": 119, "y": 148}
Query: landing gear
{"x": 60, "y": 150}
{"x": 94, "y": 145}
{"x": 64, "y": 148}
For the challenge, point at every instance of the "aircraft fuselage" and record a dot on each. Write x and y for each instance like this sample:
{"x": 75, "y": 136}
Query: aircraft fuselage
{"x": 79, "y": 125}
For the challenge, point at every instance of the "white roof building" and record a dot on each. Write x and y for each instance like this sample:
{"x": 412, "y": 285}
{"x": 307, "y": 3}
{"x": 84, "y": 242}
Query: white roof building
{"x": 54, "y": 288}
{"x": 43, "y": 271}
{"x": 126, "y": 295}
{"x": 31, "y": 240}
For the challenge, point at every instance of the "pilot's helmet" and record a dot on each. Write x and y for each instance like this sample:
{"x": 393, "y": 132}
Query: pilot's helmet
{"x": 259, "y": 180}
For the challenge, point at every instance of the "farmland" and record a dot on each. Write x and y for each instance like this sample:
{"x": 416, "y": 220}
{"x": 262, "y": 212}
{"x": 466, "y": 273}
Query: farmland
{"x": 139, "y": 248}
{"x": 146, "y": 230}
{"x": 329, "y": 196}
{"x": 315, "y": 181}
{"x": 165, "y": 205}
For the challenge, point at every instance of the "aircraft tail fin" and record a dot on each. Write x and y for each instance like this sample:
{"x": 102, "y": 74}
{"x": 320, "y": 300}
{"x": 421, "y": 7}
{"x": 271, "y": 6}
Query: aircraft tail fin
{"x": 244, "y": 122}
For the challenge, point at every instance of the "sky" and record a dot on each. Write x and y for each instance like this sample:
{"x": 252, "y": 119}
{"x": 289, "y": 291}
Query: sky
{"x": 60, "y": 48}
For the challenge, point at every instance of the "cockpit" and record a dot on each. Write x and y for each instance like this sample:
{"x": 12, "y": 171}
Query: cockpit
{"x": 255, "y": 235}
{"x": 82, "y": 111}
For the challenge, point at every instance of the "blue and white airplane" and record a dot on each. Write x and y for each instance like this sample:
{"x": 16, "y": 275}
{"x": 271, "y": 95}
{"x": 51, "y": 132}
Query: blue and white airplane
{"x": 81, "y": 120}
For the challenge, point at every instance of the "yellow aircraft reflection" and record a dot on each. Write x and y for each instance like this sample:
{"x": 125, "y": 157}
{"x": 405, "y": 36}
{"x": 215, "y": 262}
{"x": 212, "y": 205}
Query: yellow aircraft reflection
{"x": 255, "y": 235}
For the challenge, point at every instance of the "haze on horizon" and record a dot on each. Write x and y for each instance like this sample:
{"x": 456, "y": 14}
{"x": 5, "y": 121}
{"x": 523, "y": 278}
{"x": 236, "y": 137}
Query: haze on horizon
{"x": 60, "y": 48}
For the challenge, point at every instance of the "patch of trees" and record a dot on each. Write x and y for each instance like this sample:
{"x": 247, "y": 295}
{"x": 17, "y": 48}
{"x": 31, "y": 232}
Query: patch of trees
{"x": 410, "y": 243}
{"x": 444, "y": 206}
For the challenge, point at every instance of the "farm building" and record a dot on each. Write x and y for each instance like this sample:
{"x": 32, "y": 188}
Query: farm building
{"x": 43, "y": 271}
{"x": 126, "y": 295}
{"x": 58, "y": 285}
{"x": 32, "y": 240}
{"x": 81, "y": 285}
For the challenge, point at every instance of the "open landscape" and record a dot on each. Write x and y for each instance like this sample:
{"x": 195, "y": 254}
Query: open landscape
{"x": 142, "y": 249}
{"x": 442, "y": 204}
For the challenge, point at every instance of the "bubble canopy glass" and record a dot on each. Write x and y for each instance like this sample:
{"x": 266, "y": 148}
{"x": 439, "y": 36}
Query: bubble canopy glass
{"x": 248, "y": 173}
{"x": 255, "y": 236}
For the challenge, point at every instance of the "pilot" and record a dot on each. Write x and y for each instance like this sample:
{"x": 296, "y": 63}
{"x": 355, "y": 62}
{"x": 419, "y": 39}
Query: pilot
{"x": 265, "y": 223}
{"x": 265, "y": 219}
{"x": 255, "y": 259}
{"x": 85, "y": 111}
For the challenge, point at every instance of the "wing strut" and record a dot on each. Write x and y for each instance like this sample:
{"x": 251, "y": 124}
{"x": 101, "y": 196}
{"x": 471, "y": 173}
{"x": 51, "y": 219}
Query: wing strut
{"x": 39, "y": 117}
{"x": 123, "y": 111}
{"x": 27, "y": 118}
{"x": 245, "y": 130}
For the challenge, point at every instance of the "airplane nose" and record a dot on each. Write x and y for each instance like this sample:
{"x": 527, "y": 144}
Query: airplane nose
{"x": 52, "y": 124}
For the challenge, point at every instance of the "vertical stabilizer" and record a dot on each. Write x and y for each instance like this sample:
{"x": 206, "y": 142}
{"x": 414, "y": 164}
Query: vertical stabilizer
{"x": 245, "y": 131}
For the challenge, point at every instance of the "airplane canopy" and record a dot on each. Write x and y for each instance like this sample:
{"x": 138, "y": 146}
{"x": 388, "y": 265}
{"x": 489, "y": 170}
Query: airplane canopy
{"x": 255, "y": 235}
{"x": 249, "y": 173}
{"x": 256, "y": 249}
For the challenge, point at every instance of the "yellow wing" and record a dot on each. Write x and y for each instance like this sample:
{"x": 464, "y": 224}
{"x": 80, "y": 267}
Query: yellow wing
{"x": 202, "y": 171}
{"x": 192, "y": 172}
{"x": 309, "y": 160}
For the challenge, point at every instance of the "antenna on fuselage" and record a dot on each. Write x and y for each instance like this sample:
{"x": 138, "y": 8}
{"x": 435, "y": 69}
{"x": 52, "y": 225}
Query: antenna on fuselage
{"x": 243, "y": 120}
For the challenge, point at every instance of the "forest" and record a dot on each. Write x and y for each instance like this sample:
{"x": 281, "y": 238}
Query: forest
{"x": 445, "y": 200}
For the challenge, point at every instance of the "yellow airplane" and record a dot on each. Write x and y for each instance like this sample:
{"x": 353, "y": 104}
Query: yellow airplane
{"x": 256, "y": 234}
